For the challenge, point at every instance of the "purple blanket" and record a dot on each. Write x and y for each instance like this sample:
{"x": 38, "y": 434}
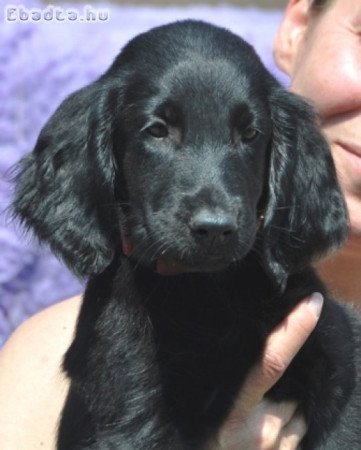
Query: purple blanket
{"x": 40, "y": 63}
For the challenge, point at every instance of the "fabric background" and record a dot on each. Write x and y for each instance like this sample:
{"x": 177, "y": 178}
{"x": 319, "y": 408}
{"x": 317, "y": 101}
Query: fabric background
{"x": 40, "y": 64}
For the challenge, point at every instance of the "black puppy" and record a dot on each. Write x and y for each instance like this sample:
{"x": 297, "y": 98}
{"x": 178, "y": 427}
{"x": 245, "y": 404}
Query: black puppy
{"x": 187, "y": 155}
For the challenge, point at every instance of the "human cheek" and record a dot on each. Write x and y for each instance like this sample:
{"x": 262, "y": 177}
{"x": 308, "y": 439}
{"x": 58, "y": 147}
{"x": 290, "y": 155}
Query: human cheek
{"x": 342, "y": 84}
{"x": 330, "y": 77}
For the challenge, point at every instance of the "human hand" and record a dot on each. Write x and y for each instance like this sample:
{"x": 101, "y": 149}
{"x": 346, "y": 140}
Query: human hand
{"x": 256, "y": 423}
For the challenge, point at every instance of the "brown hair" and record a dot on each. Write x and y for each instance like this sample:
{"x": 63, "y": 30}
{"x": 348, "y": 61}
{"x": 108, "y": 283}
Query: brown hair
{"x": 319, "y": 5}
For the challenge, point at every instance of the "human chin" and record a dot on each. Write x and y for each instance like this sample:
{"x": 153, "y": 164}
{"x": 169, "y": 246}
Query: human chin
{"x": 350, "y": 180}
{"x": 347, "y": 156}
{"x": 354, "y": 210}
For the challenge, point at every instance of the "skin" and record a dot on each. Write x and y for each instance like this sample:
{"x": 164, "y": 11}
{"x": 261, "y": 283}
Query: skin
{"x": 328, "y": 47}
{"x": 33, "y": 389}
{"x": 322, "y": 55}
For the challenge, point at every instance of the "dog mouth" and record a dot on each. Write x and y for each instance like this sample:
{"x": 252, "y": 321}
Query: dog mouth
{"x": 170, "y": 267}
{"x": 169, "y": 264}
{"x": 185, "y": 252}
{"x": 165, "y": 266}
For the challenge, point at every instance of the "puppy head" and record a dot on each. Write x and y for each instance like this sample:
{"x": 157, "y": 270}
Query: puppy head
{"x": 176, "y": 149}
{"x": 194, "y": 165}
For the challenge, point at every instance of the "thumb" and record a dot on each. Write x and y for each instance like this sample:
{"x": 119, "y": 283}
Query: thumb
{"x": 281, "y": 347}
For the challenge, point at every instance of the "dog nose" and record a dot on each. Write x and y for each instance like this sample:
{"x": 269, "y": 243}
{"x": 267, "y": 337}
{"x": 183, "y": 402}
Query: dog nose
{"x": 213, "y": 228}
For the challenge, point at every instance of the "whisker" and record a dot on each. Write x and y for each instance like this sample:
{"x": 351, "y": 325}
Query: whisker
{"x": 155, "y": 247}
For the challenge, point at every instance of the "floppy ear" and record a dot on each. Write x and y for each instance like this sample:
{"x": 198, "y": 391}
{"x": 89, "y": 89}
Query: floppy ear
{"x": 306, "y": 215}
{"x": 64, "y": 189}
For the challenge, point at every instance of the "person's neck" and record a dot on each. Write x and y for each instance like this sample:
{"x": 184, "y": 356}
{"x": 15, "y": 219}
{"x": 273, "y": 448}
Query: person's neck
{"x": 342, "y": 272}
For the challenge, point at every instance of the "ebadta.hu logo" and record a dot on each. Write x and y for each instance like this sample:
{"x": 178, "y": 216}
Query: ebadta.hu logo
{"x": 51, "y": 13}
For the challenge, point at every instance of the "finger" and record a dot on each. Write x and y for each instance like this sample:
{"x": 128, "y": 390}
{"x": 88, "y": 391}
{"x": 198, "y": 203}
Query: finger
{"x": 293, "y": 433}
{"x": 280, "y": 348}
{"x": 281, "y": 412}
{"x": 262, "y": 429}
{"x": 274, "y": 418}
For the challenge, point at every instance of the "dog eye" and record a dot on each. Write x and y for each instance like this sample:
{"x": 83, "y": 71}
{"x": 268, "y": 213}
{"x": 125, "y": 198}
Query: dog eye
{"x": 249, "y": 134}
{"x": 158, "y": 130}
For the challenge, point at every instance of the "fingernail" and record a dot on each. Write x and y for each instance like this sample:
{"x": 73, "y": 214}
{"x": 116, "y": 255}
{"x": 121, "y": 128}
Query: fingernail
{"x": 315, "y": 303}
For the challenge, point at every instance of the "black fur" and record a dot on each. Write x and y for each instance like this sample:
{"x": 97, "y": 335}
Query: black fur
{"x": 179, "y": 148}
